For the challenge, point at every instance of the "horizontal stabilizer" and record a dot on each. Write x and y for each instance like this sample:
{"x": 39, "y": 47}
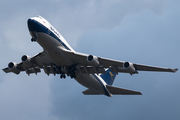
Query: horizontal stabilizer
{"x": 112, "y": 90}
{"x": 91, "y": 92}
{"x": 121, "y": 91}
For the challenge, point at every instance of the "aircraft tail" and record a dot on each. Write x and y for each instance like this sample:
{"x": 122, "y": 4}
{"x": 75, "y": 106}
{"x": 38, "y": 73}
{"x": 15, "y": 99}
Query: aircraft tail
{"x": 109, "y": 76}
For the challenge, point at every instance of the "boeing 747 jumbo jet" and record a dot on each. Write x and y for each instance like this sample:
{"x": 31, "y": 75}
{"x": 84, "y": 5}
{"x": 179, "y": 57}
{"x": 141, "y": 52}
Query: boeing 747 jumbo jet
{"x": 57, "y": 57}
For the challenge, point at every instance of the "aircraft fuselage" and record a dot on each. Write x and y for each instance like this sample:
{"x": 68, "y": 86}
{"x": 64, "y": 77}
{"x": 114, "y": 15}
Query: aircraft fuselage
{"x": 54, "y": 44}
{"x": 57, "y": 57}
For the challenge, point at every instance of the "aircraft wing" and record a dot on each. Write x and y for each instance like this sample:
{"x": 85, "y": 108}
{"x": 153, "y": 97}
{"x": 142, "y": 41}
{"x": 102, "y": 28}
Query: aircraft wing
{"x": 88, "y": 64}
{"x": 97, "y": 64}
{"x": 32, "y": 64}
{"x": 151, "y": 68}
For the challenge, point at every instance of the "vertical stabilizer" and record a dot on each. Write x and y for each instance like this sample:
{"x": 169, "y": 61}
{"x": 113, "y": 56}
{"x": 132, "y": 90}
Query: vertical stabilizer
{"x": 108, "y": 77}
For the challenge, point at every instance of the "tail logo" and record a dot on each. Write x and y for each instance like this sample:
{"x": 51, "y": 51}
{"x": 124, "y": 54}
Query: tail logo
{"x": 111, "y": 75}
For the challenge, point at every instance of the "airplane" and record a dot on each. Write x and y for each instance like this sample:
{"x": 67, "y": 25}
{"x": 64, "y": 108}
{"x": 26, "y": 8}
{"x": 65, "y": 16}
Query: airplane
{"x": 58, "y": 57}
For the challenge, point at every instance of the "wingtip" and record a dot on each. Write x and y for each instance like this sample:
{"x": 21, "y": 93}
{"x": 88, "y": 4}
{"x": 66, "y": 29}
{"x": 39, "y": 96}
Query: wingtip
{"x": 5, "y": 70}
{"x": 174, "y": 70}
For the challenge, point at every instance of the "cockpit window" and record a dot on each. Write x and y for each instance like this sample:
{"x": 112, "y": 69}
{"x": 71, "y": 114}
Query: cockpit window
{"x": 39, "y": 16}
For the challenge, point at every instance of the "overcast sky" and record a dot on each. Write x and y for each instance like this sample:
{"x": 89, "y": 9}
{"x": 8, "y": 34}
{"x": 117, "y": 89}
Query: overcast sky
{"x": 138, "y": 31}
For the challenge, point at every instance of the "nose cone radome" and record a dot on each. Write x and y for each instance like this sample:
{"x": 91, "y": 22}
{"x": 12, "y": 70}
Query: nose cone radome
{"x": 32, "y": 25}
{"x": 36, "y": 25}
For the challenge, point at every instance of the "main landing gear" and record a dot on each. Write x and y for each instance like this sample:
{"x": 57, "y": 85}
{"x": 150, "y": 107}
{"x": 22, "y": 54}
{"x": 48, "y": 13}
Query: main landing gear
{"x": 64, "y": 71}
{"x": 62, "y": 76}
{"x": 69, "y": 71}
{"x": 73, "y": 75}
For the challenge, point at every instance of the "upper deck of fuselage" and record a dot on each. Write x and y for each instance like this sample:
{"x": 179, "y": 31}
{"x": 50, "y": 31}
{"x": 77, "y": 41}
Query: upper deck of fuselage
{"x": 39, "y": 24}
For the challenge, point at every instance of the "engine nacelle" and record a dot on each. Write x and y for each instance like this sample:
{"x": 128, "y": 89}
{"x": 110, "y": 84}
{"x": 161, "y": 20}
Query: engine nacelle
{"x": 13, "y": 67}
{"x": 129, "y": 67}
{"x": 26, "y": 61}
{"x": 93, "y": 60}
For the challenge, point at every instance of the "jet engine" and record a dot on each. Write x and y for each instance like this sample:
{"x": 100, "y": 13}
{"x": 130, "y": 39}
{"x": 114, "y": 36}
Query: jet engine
{"x": 26, "y": 61}
{"x": 93, "y": 60}
{"x": 129, "y": 67}
{"x": 13, "y": 67}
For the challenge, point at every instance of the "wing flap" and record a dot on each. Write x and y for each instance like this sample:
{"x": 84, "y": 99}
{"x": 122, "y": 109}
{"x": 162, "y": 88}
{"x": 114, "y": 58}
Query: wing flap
{"x": 91, "y": 70}
{"x": 33, "y": 70}
{"x": 121, "y": 91}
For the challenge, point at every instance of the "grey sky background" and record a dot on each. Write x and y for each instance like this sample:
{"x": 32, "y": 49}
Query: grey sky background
{"x": 139, "y": 31}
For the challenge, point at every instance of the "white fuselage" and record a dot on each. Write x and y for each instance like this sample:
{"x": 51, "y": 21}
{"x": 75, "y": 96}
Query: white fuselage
{"x": 54, "y": 44}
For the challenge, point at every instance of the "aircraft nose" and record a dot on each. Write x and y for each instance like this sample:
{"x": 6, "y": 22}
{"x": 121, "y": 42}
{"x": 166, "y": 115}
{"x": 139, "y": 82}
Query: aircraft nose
{"x": 32, "y": 24}
{"x": 35, "y": 25}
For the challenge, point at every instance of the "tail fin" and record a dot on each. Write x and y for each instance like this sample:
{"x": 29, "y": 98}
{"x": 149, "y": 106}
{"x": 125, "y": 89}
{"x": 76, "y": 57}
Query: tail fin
{"x": 109, "y": 76}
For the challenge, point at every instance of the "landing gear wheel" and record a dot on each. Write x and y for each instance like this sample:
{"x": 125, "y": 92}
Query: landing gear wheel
{"x": 62, "y": 76}
{"x": 73, "y": 76}
{"x": 33, "y": 40}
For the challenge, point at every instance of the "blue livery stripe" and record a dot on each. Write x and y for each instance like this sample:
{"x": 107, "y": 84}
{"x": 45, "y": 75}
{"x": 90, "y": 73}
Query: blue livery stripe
{"x": 38, "y": 27}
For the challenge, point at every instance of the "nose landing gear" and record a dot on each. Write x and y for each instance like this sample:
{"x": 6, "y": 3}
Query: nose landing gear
{"x": 33, "y": 40}
{"x": 34, "y": 36}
